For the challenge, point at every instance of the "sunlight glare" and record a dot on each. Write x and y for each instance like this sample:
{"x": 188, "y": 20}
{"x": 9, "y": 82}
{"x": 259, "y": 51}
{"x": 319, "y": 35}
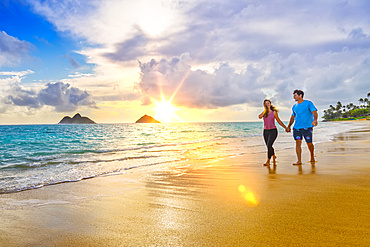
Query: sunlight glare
{"x": 164, "y": 111}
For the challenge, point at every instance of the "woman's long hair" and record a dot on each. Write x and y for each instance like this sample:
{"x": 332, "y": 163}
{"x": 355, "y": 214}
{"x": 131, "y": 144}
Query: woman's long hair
{"x": 265, "y": 112}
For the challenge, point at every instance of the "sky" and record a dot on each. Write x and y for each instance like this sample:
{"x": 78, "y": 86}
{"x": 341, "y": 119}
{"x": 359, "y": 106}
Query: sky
{"x": 215, "y": 61}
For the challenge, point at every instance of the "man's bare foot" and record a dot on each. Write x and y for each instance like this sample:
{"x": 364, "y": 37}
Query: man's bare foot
{"x": 298, "y": 163}
{"x": 274, "y": 158}
{"x": 266, "y": 164}
{"x": 313, "y": 161}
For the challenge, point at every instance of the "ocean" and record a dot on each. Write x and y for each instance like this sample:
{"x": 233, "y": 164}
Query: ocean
{"x": 33, "y": 156}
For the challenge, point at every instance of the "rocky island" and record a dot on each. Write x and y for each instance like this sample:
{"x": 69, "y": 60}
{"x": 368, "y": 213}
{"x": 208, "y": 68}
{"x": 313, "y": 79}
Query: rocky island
{"x": 77, "y": 119}
{"x": 147, "y": 119}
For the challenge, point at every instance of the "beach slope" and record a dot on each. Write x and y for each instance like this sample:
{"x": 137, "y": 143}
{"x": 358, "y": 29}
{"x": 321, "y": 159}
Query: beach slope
{"x": 225, "y": 202}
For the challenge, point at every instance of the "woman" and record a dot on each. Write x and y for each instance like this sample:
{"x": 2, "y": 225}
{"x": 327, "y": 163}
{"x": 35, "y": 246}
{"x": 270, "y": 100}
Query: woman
{"x": 269, "y": 130}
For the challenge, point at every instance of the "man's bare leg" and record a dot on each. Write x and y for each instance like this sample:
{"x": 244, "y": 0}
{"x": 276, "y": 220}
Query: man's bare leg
{"x": 298, "y": 150}
{"x": 312, "y": 149}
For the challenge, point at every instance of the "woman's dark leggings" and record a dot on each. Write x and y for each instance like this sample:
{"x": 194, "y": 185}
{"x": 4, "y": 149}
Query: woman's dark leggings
{"x": 270, "y": 136}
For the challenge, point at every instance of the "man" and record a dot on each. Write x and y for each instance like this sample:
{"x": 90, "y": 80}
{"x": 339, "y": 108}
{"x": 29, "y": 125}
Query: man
{"x": 305, "y": 117}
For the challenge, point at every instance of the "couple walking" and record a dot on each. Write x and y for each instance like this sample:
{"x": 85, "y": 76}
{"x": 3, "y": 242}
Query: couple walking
{"x": 304, "y": 114}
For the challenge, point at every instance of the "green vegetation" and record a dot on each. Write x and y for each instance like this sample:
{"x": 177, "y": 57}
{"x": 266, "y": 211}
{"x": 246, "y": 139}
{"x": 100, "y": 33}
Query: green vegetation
{"x": 348, "y": 112}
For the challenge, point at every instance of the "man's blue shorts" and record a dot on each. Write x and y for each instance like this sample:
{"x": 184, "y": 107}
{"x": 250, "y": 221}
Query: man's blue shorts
{"x": 306, "y": 133}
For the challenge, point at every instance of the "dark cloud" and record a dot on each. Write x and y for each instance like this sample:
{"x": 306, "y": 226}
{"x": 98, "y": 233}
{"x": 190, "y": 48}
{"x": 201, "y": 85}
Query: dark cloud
{"x": 61, "y": 96}
{"x": 12, "y": 49}
{"x": 23, "y": 97}
{"x": 74, "y": 63}
{"x": 357, "y": 34}
{"x": 130, "y": 49}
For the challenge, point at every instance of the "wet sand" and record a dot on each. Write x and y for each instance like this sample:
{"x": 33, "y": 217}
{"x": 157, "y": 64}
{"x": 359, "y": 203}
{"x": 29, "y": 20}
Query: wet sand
{"x": 229, "y": 202}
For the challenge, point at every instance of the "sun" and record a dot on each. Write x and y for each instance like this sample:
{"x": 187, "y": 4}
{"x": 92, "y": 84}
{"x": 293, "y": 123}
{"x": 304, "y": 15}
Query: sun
{"x": 164, "y": 111}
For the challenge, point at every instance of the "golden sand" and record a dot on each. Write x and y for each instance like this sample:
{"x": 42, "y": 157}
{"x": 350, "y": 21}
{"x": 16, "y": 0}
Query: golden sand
{"x": 231, "y": 202}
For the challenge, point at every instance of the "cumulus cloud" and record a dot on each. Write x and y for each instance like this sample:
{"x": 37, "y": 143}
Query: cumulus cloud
{"x": 199, "y": 88}
{"x": 12, "y": 49}
{"x": 22, "y": 97}
{"x": 59, "y": 95}
{"x": 64, "y": 97}
{"x": 338, "y": 75}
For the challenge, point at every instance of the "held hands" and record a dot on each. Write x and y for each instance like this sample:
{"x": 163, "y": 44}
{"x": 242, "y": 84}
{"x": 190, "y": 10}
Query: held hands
{"x": 287, "y": 129}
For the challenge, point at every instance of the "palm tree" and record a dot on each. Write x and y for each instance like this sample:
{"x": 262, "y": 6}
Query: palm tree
{"x": 360, "y": 101}
{"x": 339, "y": 105}
{"x": 366, "y": 101}
{"x": 338, "y": 109}
{"x": 328, "y": 114}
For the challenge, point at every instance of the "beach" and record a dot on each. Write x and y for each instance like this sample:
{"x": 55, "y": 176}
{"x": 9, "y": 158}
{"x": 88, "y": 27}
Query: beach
{"x": 232, "y": 201}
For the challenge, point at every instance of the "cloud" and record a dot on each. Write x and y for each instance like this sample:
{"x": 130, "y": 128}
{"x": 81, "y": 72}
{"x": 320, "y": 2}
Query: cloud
{"x": 324, "y": 78}
{"x": 241, "y": 31}
{"x": 250, "y": 49}
{"x": 211, "y": 31}
{"x": 17, "y": 73}
{"x": 22, "y": 97}
{"x": 199, "y": 88}
{"x": 64, "y": 98}
{"x": 74, "y": 63}
{"x": 59, "y": 95}
{"x": 12, "y": 49}
{"x": 130, "y": 49}
{"x": 102, "y": 22}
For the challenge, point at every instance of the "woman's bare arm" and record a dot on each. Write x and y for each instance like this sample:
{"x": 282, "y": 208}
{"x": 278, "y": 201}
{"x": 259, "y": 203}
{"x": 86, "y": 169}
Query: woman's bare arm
{"x": 278, "y": 120}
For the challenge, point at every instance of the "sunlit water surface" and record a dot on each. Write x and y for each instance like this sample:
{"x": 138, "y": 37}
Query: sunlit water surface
{"x": 32, "y": 156}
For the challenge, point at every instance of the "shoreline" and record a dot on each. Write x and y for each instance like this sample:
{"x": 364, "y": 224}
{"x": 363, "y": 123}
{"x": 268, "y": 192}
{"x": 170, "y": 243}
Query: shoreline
{"x": 228, "y": 202}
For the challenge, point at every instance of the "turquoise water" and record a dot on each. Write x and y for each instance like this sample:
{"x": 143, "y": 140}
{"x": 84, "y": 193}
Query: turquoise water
{"x": 32, "y": 156}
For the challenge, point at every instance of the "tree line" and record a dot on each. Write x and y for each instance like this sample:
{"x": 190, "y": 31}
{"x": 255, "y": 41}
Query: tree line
{"x": 349, "y": 111}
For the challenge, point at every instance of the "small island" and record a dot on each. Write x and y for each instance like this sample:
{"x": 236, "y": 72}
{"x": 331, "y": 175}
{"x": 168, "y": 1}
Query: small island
{"x": 77, "y": 119}
{"x": 147, "y": 119}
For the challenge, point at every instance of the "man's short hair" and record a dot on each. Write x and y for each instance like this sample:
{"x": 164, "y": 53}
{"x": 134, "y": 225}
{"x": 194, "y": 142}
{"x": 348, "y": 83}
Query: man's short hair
{"x": 299, "y": 92}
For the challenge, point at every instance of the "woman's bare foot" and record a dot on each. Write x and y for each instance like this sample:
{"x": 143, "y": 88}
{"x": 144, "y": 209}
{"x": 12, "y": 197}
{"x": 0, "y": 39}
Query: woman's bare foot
{"x": 298, "y": 163}
{"x": 267, "y": 163}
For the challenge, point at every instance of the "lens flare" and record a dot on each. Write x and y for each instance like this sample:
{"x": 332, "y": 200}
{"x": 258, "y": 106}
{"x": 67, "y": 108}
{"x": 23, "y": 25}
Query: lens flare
{"x": 249, "y": 196}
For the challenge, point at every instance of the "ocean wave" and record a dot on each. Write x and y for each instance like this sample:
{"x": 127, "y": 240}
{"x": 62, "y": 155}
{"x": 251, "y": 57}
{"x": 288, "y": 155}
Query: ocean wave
{"x": 13, "y": 188}
{"x": 60, "y": 154}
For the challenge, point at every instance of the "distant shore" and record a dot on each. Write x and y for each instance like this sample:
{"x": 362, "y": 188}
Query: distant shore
{"x": 348, "y": 119}
{"x": 229, "y": 202}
